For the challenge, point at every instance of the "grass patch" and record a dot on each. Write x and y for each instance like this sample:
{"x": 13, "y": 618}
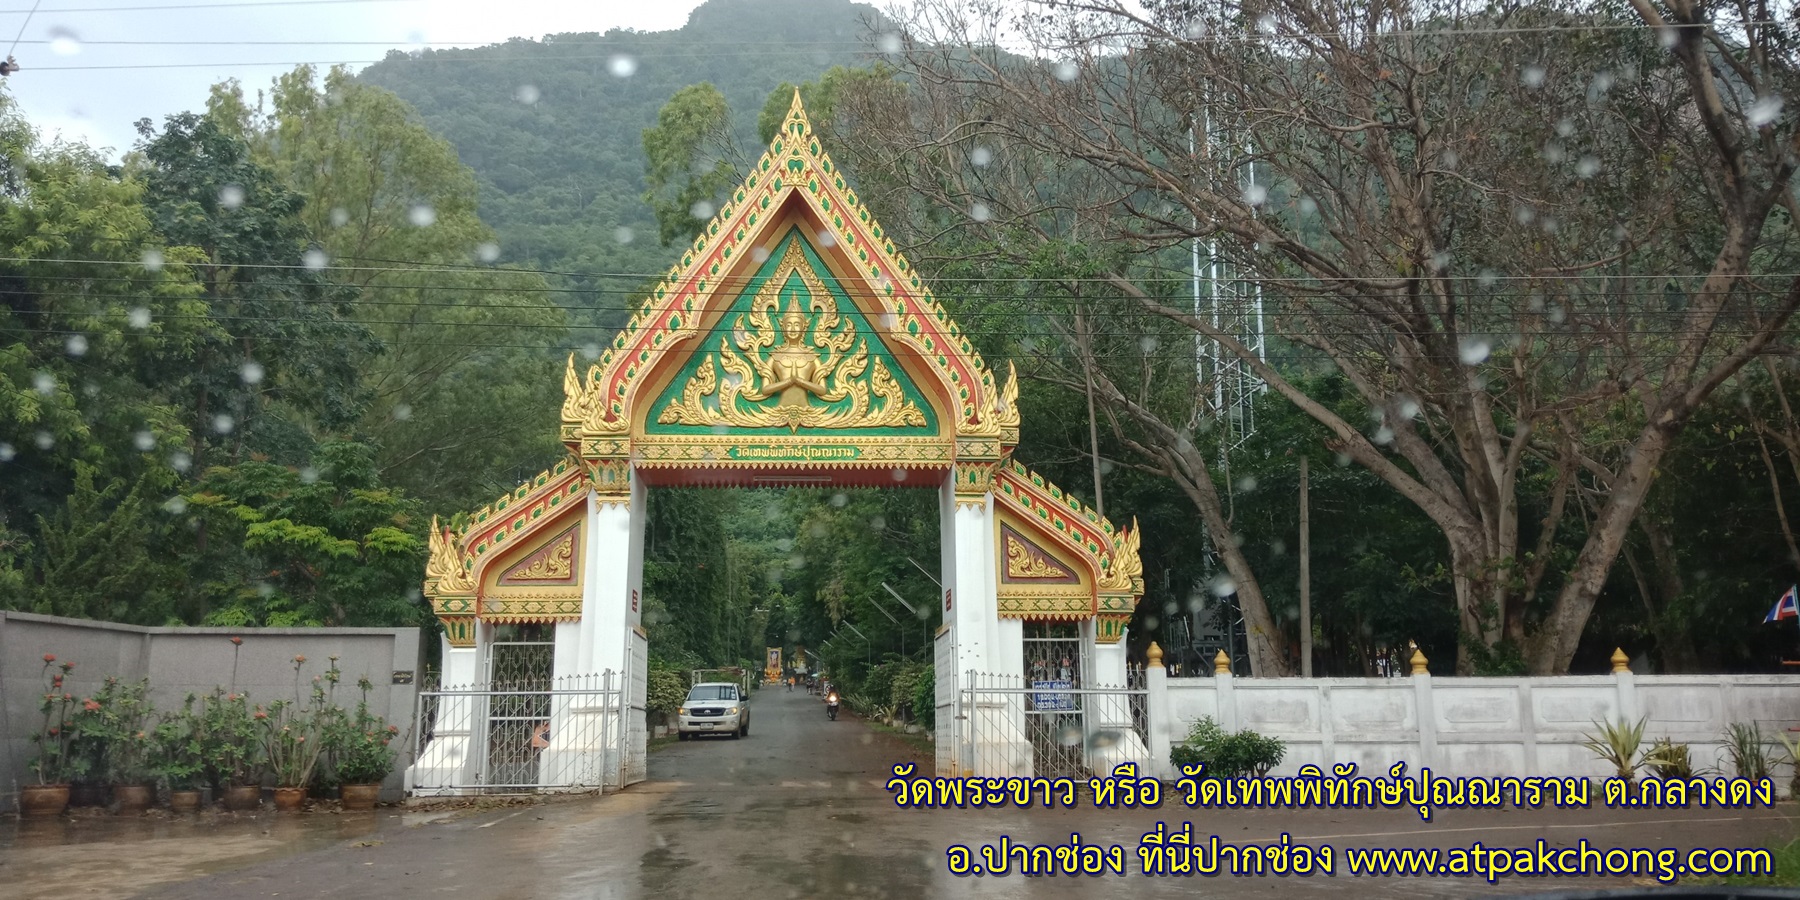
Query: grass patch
{"x": 918, "y": 741}
{"x": 657, "y": 743}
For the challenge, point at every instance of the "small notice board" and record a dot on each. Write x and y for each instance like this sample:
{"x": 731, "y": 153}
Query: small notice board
{"x": 1052, "y": 696}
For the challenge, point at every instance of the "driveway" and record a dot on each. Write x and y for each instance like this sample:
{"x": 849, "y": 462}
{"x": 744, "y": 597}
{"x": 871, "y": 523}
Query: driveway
{"x": 794, "y": 810}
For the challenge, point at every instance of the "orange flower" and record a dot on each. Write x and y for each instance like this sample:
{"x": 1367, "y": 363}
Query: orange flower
{"x": 49, "y": 657}
{"x": 260, "y": 714}
{"x": 299, "y": 659}
{"x": 90, "y": 704}
{"x": 55, "y": 731}
{"x": 237, "y": 640}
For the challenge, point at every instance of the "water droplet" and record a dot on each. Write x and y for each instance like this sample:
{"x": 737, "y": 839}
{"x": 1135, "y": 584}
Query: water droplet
{"x": 402, "y": 412}
{"x": 979, "y": 212}
{"x": 759, "y": 254}
{"x": 526, "y": 94}
{"x": 827, "y": 239}
{"x": 590, "y": 351}
{"x": 77, "y": 345}
{"x": 152, "y": 260}
{"x": 1587, "y": 167}
{"x": 63, "y": 42}
{"x": 1553, "y": 152}
{"x": 839, "y": 499}
{"x": 315, "y": 260}
{"x": 1565, "y": 128}
{"x": 422, "y": 215}
{"x": 138, "y": 318}
{"x": 1266, "y": 23}
{"x": 980, "y": 157}
{"x": 144, "y": 441}
{"x": 1524, "y": 214}
{"x": 1246, "y": 484}
{"x": 175, "y": 505}
{"x": 623, "y": 234}
{"x": 701, "y": 210}
{"x": 7, "y": 452}
{"x": 1070, "y": 736}
{"x": 252, "y": 373}
{"x": 1603, "y": 82}
{"x": 622, "y": 66}
{"x": 231, "y": 196}
{"x": 877, "y": 523}
{"x": 223, "y": 423}
{"x": 309, "y": 475}
{"x": 487, "y": 251}
{"x": 1532, "y": 76}
{"x": 899, "y": 474}
{"x": 44, "y": 440}
{"x": 1066, "y": 70}
{"x": 1308, "y": 205}
{"x": 180, "y": 461}
{"x": 1222, "y": 585}
{"x": 1440, "y": 260}
{"x": 1383, "y": 435}
{"x": 1147, "y": 344}
{"x": 339, "y": 217}
{"x": 1256, "y": 194}
{"x": 1764, "y": 111}
{"x": 44, "y": 383}
{"x": 888, "y": 42}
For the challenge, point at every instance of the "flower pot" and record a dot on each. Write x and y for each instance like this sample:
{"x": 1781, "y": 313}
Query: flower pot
{"x": 184, "y": 801}
{"x": 132, "y": 798}
{"x": 361, "y": 796}
{"x": 89, "y": 795}
{"x": 243, "y": 797}
{"x": 289, "y": 798}
{"x": 43, "y": 800}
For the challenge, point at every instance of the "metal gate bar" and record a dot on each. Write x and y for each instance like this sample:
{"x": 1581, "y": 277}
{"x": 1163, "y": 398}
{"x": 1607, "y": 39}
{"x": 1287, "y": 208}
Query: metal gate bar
{"x": 499, "y": 739}
{"x": 1006, "y": 727}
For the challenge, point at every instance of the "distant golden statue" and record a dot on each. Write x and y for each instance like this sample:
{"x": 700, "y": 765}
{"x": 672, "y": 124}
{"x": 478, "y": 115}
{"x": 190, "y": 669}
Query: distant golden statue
{"x": 814, "y": 383}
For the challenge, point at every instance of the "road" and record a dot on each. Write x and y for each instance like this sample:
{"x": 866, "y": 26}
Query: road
{"x": 795, "y": 810}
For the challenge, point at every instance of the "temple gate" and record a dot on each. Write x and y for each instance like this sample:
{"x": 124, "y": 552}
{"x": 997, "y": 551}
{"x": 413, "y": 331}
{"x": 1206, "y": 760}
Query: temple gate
{"x": 791, "y": 346}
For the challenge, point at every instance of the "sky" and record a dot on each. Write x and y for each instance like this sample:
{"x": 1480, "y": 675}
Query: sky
{"x": 90, "y": 68}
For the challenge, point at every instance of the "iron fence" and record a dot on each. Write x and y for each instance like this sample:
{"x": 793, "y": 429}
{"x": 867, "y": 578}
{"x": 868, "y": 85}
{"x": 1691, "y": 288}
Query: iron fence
{"x": 570, "y": 734}
{"x": 1007, "y": 727}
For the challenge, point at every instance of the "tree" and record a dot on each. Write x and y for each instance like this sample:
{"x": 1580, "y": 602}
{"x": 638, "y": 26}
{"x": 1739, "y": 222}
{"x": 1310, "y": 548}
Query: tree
{"x": 690, "y": 160}
{"x": 1482, "y": 239}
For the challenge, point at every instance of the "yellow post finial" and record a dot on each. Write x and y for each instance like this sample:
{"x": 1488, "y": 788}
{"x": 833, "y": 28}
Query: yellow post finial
{"x": 1418, "y": 661}
{"x": 1621, "y": 662}
{"x": 1154, "y": 654}
{"x": 1221, "y": 664}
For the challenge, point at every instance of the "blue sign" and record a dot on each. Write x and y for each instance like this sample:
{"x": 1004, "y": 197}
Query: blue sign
{"x": 1052, "y": 702}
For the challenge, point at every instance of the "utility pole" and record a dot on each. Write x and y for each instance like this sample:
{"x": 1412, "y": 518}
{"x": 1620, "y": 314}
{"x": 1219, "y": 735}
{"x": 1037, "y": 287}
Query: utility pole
{"x": 1087, "y": 369}
{"x": 1306, "y": 661}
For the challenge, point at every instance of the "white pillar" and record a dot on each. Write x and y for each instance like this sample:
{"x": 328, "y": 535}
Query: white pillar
{"x": 1112, "y": 736}
{"x": 447, "y": 762}
{"x": 613, "y": 580}
{"x": 1156, "y": 706}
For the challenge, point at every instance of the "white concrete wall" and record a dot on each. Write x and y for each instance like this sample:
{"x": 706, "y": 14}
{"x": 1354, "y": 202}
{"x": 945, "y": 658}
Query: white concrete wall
{"x": 1473, "y": 726}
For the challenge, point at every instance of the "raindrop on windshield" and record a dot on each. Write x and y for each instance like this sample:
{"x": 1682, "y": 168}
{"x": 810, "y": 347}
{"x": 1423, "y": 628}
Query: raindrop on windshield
{"x": 1066, "y": 70}
{"x": 144, "y": 441}
{"x": 251, "y": 371}
{"x": 526, "y": 94}
{"x": 623, "y": 234}
{"x": 827, "y": 239}
{"x": 422, "y": 215}
{"x": 402, "y": 412}
{"x": 315, "y": 259}
{"x": 63, "y": 42}
{"x": 1223, "y": 585}
{"x": 1308, "y": 205}
{"x": 309, "y": 475}
{"x": 839, "y": 499}
{"x": 223, "y": 423}
{"x": 1587, "y": 167}
{"x": 888, "y": 42}
{"x": 44, "y": 441}
{"x": 1069, "y": 736}
{"x": 231, "y": 196}
{"x": 1764, "y": 111}
{"x": 7, "y": 452}
{"x": 175, "y": 505}
{"x": 979, "y": 212}
{"x": 899, "y": 474}
{"x": 1383, "y": 435}
{"x": 152, "y": 260}
{"x": 1147, "y": 344}
{"x": 180, "y": 461}
{"x": 1532, "y": 77}
{"x": 339, "y": 217}
{"x": 77, "y": 345}
{"x": 1256, "y": 194}
{"x": 701, "y": 210}
{"x": 44, "y": 383}
{"x": 980, "y": 157}
{"x": 622, "y": 66}
{"x": 138, "y": 318}
{"x": 487, "y": 251}
{"x": 759, "y": 254}
{"x": 1246, "y": 484}
{"x": 877, "y": 523}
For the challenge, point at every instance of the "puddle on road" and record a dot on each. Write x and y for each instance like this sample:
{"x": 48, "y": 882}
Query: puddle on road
{"x": 142, "y": 852}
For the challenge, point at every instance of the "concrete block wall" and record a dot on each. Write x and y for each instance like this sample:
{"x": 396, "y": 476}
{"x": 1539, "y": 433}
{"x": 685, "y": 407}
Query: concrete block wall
{"x": 179, "y": 661}
{"x": 1527, "y": 726}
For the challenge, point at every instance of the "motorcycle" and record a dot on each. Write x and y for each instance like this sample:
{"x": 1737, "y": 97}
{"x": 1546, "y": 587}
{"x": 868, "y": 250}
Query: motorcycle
{"x": 831, "y": 705}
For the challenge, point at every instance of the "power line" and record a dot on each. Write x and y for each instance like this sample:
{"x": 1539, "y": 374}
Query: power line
{"x": 238, "y": 5}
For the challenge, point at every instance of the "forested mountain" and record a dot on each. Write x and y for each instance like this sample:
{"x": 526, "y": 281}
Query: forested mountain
{"x": 552, "y": 127}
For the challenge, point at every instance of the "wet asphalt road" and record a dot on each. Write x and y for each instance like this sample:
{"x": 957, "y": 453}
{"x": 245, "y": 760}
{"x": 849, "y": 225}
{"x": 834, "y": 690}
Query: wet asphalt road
{"x": 795, "y": 810}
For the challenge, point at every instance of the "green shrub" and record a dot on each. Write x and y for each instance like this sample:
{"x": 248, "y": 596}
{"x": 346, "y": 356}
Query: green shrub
{"x": 924, "y": 698}
{"x": 1227, "y": 755}
{"x": 665, "y": 689}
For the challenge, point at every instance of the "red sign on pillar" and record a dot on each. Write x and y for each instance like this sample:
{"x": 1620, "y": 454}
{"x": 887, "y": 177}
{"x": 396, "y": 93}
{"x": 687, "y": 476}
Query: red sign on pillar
{"x": 634, "y": 601}
{"x": 946, "y": 601}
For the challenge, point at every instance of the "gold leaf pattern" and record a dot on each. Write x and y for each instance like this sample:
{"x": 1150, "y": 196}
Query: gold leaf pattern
{"x": 1024, "y": 562}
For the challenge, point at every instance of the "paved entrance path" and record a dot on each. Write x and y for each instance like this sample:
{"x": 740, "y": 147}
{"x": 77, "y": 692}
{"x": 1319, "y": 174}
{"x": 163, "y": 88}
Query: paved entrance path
{"x": 794, "y": 810}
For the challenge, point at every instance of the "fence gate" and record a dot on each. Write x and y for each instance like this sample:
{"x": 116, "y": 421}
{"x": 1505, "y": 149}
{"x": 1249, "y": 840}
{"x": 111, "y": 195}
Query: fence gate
{"x": 948, "y": 711}
{"x": 519, "y": 668}
{"x": 560, "y": 736}
{"x": 1055, "y": 721}
{"x": 636, "y": 736}
{"x": 1008, "y": 726}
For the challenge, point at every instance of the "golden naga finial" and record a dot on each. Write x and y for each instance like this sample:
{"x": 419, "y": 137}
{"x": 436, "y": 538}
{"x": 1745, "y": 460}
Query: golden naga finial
{"x": 445, "y": 566}
{"x": 1007, "y": 410}
{"x": 1127, "y": 567}
{"x": 575, "y": 395}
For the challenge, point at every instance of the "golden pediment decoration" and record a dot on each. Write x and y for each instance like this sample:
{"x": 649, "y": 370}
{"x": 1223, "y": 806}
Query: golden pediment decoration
{"x": 556, "y": 562}
{"x": 446, "y": 565}
{"x": 1027, "y": 562}
{"x": 776, "y": 359}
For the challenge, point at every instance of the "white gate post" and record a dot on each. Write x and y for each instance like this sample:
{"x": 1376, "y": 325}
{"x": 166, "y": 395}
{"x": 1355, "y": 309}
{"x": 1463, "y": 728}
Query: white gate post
{"x": 449, "y": 759}
{"x": 1156, "y": 710}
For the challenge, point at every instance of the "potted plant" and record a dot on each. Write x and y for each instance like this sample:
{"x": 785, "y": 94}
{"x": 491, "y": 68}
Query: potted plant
{"x": 292, "y": 742}
{"x": 179, "y": 759}
{"x": 50, "y": 796}
{"x": 363, "y": 753}
{"x": 231, "y": 749}
{"x": 119, "y": 718}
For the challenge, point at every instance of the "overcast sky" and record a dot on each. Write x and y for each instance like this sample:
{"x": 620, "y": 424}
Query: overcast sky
{"x": 93, "y": 67}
